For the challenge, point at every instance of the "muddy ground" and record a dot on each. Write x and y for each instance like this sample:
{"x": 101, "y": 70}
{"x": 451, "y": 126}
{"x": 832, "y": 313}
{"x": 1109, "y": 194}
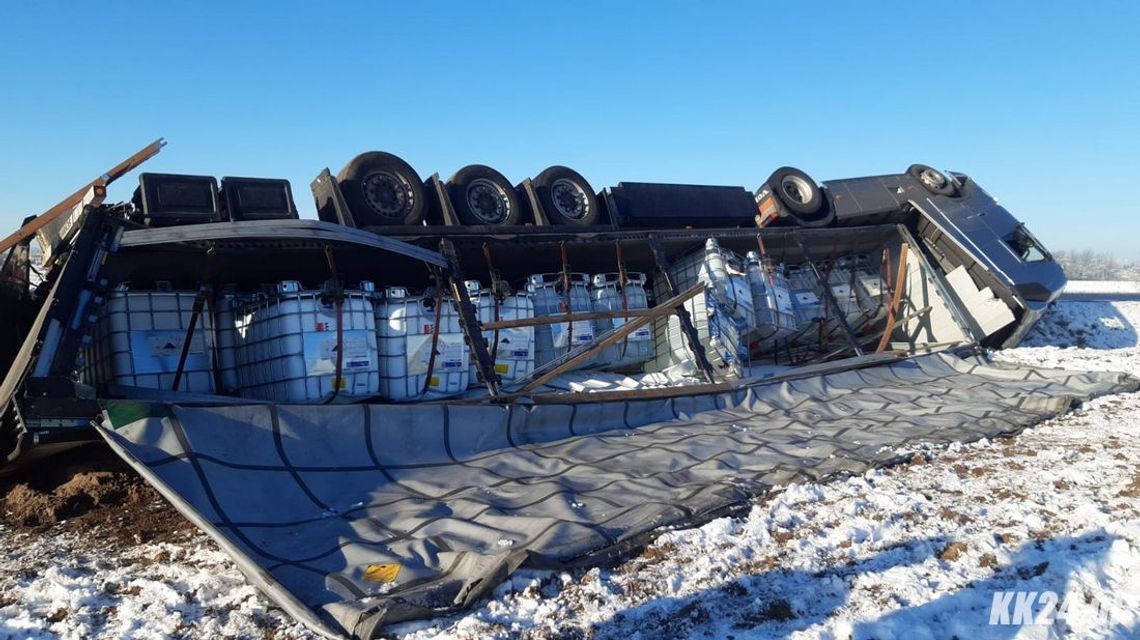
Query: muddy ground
{"x": 94, "y": 491}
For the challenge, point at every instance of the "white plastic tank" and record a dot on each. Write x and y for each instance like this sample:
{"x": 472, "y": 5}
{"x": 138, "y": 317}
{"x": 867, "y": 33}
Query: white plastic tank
{"x": 724, "y": 315}
{"x": 511, "y": 349}
{"x": 405, "y": 326}
{"x": 806, "y": 300}
{"x": 139, "y": 337}
{"x": 287, "y": 345}
{"x": 226, "y": 335}
{"x": 554, "y": 340}
{"x": 867, "y": 299}
{"x": 771, "y": 298}
{"x": 609, "y": 293}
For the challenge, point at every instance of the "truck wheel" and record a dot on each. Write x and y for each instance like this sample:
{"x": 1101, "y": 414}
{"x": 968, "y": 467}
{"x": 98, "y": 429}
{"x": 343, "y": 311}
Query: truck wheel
{"x": 796, "y": 191}
{"x": 483, "y": 196}
{"x": 932, "y": 180}
{"x": 566, "y": 197}
{"x": 382, "y": 189}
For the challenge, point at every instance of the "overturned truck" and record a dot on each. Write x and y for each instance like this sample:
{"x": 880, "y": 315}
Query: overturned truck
{"x": 383, "y": 412}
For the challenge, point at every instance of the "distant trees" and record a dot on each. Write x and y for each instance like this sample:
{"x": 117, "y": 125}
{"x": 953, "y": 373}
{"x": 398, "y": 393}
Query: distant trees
{"x": 1087, "y": 264}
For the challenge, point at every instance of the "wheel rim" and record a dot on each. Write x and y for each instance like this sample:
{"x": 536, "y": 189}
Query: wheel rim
{"x": 569, "y": 199}
{"x": 488, "y": 201}
{"x": 388, "y": 194}
{"x": 796, "y": 189}
{"x": 932, "y": 178}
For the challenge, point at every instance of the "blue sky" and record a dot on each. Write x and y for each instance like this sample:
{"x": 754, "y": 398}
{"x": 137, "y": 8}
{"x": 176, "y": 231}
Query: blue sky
{"x": 1040, "y": 102}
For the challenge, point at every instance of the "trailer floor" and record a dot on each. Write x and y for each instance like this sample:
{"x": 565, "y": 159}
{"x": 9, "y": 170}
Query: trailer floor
{"x": 891, "y": 549}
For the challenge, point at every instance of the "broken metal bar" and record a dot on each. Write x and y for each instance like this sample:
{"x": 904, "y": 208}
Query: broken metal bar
{"x": 565, "y": 317}
{"x": 558, "y": 366}
{"x": 100, "y": 186}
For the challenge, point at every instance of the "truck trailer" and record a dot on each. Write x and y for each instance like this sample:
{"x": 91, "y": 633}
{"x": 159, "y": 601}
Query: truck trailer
{"x": 383, "y": 412}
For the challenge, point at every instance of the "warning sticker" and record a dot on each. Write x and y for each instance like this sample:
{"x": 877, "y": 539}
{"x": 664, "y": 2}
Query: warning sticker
{"x": 165, "y": 344}
{"x": 449, "y": 356}
{"x": 321, "y": 353}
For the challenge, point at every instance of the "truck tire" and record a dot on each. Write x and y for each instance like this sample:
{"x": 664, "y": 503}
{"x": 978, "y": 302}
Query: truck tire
{"x": 382, "y": 189}
{"x": 482, "y": 196}
{"x": 797, "y": 192}
{"x": 566, "y": 197}
{"x": 932, "y": 180}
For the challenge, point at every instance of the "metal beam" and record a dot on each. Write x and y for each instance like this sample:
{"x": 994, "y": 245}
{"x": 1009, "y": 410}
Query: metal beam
{"x": 98, "y": 184}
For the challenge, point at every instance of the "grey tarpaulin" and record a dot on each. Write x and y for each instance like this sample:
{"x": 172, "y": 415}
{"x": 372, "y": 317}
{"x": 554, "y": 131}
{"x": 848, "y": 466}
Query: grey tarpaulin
{"x": 307, "y": 498}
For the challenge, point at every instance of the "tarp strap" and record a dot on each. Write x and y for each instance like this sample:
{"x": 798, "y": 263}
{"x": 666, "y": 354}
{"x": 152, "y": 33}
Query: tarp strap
{"x": 335, "y": 290}
{"x": 196, "y": 311}
{"x": 569, "y": 299}
{"x": 434, "y": 333}
{"x": 496, "y": 295}
{"x": 624, "y": 295}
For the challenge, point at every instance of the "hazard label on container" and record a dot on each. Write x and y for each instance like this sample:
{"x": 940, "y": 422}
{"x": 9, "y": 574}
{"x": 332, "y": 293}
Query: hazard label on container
{"x": 164, "y": 344}
{"x": 321, "y": 353}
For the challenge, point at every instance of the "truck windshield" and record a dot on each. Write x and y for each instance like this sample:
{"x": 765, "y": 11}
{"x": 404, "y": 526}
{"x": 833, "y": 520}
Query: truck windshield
{"x": 1025, "y": 246}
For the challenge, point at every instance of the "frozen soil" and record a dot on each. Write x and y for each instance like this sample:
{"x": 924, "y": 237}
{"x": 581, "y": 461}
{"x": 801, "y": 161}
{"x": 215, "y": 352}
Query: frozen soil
{"x": 89, "y": 490}
{"x": 914, "y": 551}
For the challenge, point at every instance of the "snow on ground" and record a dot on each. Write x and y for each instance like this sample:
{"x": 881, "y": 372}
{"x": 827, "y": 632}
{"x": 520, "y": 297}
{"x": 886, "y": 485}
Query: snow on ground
{"x": 1102, "y": 286}
{"x": 916, "y": 551}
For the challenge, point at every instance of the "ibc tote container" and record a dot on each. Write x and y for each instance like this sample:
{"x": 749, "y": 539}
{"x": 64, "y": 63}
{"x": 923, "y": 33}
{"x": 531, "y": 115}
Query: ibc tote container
{"x": 858, "y": 288}
{"x": 513, "y": 353}
{"x": 806, "y": 301}
{"x": 287, "y": 346}
{"x": 771, "y": 298}
{"x": 611, "y": 294}
{"x": 404, "y": 328}
{"x": 138, "y": 340}
{"x": 554, "y": 340}
{"x": 723, "y": 315}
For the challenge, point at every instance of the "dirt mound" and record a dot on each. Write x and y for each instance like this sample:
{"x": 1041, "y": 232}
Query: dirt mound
{"x": 92, "y": 491}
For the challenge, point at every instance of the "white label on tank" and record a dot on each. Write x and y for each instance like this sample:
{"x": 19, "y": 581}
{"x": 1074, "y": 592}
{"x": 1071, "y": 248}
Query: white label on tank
{"x": 560, "y": 333}
{"x": 449, "y": 354}
{"x": 320, "y": 353}
{"x": 450, "y": 357}
{"x": 514, "y": 344}
{"x": 644, "y": 333}
{"x": 419, "y": 351}
{"x": 165, "y": 344}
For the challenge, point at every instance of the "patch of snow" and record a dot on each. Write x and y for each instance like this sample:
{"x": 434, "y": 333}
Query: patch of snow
{"x": 1102, "y": 286}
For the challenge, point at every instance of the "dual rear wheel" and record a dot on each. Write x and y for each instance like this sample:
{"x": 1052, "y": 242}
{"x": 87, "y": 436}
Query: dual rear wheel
{"x": 382, "y": 189}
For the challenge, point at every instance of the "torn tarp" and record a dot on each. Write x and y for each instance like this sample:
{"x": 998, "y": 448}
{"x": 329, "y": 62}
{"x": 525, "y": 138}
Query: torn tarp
{"x": 356, "y": 517}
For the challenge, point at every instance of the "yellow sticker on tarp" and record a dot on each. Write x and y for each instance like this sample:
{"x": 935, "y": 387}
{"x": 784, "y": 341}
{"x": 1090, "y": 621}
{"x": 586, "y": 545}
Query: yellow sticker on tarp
{"x": 501, "y": 367}
{"x": 434, "y": 381}
{"x": 382, "y": 572}
{"x": 340, "y": 383}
